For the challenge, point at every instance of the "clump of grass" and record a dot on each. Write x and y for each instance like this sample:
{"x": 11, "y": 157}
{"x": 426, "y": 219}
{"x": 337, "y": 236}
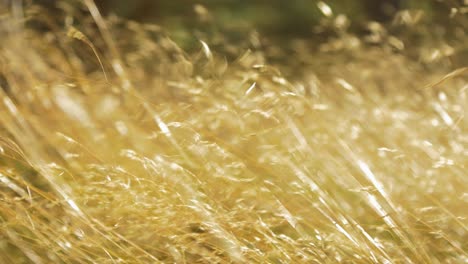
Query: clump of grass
{"x": 326, "y": 152}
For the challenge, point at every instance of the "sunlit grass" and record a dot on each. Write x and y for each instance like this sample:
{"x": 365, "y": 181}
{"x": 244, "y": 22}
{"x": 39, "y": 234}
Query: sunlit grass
{"x": 118, "y": 146}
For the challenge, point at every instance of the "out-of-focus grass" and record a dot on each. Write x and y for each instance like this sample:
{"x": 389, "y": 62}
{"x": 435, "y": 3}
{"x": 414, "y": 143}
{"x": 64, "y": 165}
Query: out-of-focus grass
{"x": 349, "y": 149}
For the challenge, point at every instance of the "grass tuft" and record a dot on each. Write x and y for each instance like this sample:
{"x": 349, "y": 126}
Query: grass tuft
{"x": 352, "y": 148}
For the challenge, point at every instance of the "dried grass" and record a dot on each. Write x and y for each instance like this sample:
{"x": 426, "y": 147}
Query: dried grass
{"x": 348, "y": 156}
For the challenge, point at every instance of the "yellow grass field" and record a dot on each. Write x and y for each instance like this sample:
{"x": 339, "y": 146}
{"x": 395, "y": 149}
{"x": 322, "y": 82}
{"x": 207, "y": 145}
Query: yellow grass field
{"x": 118, "y": 146}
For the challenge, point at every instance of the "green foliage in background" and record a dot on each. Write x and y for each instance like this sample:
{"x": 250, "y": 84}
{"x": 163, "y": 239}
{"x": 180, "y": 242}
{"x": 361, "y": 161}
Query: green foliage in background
{"x": 274, "y": 18}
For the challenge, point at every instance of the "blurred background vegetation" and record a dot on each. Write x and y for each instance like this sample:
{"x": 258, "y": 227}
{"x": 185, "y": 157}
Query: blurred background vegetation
{"x": 186, "y": 21}
{"x": 280, "y": 19}
{"x": 434, "y": 24}
{"x": 295, "y": 17}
